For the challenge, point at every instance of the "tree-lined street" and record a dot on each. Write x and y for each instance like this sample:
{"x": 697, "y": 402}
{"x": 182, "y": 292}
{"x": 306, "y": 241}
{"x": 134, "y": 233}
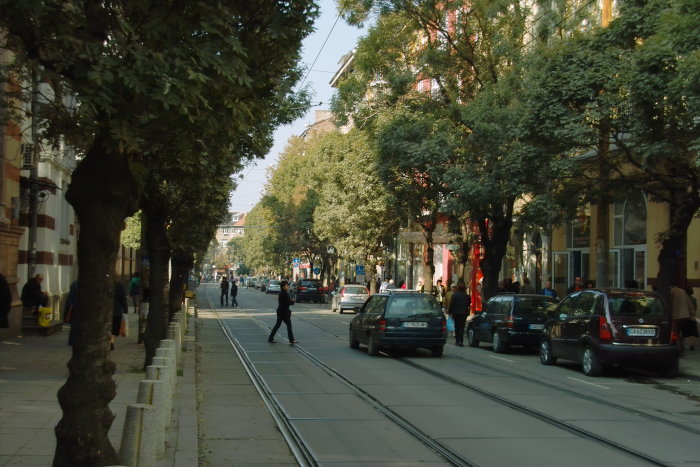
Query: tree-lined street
{"x": 481, "y": 408}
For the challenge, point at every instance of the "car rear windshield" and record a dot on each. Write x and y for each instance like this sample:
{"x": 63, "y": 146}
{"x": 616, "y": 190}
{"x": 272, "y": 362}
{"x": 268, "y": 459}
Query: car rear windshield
{"x": 274, "y": 282}
{"x": 356, "y": 290}
{"x": 534, "y": 305}
{"x": 635, "y": 305}
{"x": 403, "y": 307}
{"x": 311, "y": 283}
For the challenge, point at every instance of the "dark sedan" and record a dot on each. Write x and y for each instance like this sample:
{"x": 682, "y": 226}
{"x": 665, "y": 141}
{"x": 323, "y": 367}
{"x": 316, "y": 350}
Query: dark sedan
{"x": 511, "y": 319}
{"x": 600, "y": 328}
{"x": 399, "y": 320}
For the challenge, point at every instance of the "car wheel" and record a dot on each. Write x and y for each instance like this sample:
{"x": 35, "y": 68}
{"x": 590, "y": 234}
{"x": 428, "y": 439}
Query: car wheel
{"x": 498, "y": 345}
{"x": 546, "y": 355}
{"x": 471, "y": 338}
{"x": 340, "y": 311}
{"x": 591, "y": 365}
{"x": 354, "y": 343}
{"x": 372, "y": 347}
{"x": 670, "y": 371}
{"x": 437, "y": 351}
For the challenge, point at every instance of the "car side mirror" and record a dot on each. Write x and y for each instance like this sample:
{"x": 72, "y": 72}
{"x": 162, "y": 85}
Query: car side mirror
{"x": 563, "y": 316}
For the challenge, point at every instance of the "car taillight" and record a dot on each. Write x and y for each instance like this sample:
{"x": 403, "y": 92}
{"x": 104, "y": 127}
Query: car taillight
{"x": 444, "y": 325}
{"x": 674, "y": 334}
{"x": 604, "y": 331}
{"x": 510, "y": 321}
{"x": 301, "y": 289}
{"x": 381, "y": 325}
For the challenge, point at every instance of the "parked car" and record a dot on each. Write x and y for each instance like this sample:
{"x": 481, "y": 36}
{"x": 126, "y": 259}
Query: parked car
{"x": 399, "y": 320}
{"x": 308, "y": 290}
{"x": 349, "y": 297}
{"x": 263, "y": 284}
{"x": 511, "y": 319}
{"x": 252, "y": 282}
{"x": 273, "y": 287}
{"x": 600, "y": 328}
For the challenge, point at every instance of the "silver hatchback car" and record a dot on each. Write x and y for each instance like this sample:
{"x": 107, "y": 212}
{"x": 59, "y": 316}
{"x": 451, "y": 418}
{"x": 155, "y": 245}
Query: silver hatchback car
{"x": 350, "y": 297}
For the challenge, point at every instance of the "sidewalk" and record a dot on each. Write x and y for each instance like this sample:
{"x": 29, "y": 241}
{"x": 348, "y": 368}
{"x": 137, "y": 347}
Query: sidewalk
{"x": 237, "y": 429}
{"x": 33, "y": 368}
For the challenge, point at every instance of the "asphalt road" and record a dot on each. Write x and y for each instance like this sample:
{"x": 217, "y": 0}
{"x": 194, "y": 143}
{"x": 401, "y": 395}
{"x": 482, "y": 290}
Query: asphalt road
{"x": 469, "y": 407}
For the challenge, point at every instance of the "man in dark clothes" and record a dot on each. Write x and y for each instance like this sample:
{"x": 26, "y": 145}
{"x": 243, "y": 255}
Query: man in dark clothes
{"x": 284, "y": 314}
{"x": 459, "y": 309}
{"x": 32, "y": 296}
{"x": 234, "y": 294}
{"x": 5, "y": 302}
{"x": 224, "y": 290}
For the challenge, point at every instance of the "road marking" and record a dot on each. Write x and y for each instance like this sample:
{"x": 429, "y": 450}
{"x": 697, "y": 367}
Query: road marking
{"x": 586, "y": 382}
{"x": 501, "y": 358}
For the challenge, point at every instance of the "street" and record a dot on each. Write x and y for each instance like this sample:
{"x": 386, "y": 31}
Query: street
{"x": 470, "y": 407}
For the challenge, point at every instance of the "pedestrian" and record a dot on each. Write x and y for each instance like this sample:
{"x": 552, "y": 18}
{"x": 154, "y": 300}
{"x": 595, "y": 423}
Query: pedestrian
{"x": 590, "y": 284}
{"x": 693, "y": 314}
{"x": 234, "y": 294}
{"x": 439, "y": 292}
{"x": 459, "y": 309}
{"x": 5, "y": 302}
{"x": 526, "y": 287}
{"x": 119, "y": 311}
{"x": 135, "y": 291}
{"x": 143, "y": 316}
{"x": 224, "y": 290}
{"x": 391, "y": 285}
{"x": 548, "y": 290}
{"x": 32, "y": 296}
{"x": 576, "y": 286}
{"x": 284, "y": 314}
{"x": 682, "y": 313}
{"x": 446, "y": 307}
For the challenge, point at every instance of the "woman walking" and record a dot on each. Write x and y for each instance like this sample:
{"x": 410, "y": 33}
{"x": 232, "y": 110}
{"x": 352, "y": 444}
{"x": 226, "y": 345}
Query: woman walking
{"x": 284, "y": 314}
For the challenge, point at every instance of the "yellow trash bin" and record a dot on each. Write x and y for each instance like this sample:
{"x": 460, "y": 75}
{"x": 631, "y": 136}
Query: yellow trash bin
{"x": 45, "y": 315}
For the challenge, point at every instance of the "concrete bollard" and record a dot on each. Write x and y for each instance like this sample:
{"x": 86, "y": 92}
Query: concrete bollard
{"x": 153, "y": 392}
{"x": 160, "y": 373}
{"x": 175, "y": 346}
{"x": 138, "y": 448}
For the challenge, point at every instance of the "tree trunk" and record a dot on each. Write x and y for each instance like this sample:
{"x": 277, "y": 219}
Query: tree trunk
{"x": 494, "y": 239}
{"x": 181, "y": 264}
{"x": 682, "y": 213}
{"x": 103, "y": 193}
{"x": 429, "y": 258}
{"x": 158, "y": 254}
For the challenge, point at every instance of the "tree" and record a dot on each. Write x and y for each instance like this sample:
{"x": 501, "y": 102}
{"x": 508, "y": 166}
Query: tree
{"x": 356, "y": 215}
{"x": 130, "y": 64}
{"x": 633, "y": 85}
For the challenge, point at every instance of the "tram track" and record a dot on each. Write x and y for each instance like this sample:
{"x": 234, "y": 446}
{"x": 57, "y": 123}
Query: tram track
{"x": 448, "y": 454}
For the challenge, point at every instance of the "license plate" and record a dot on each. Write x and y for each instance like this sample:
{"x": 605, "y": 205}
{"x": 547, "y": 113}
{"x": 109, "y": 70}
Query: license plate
{"x": 311, "y": 290}
{"x": 536, "y": 326}
{"x": 641, "y": 332}
{"x": 415, "y": 324}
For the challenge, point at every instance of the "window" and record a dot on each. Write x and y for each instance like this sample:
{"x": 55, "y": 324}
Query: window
{"x": 630, "y": 219}
{"x": 585, "y": 305}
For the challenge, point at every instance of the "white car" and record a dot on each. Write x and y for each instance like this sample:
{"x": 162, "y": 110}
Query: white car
{"x": 350, "y": 297}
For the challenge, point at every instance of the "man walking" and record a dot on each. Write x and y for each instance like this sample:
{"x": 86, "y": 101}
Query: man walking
{"x": 234, "y": 294}
{"x": 459, "y": 309}
{"x": 284, "y": 314}
{"x": 224, "y": 290}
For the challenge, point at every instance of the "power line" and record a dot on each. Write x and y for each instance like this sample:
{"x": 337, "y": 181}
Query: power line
{"x": 321, "y": 49}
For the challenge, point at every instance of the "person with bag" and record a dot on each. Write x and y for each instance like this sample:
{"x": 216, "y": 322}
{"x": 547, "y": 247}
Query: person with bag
{"x": 446, "y": 308}
{"x": 459, "y": 309}
{"x": 119, "y": 313}
{"x": 284, "y": 314}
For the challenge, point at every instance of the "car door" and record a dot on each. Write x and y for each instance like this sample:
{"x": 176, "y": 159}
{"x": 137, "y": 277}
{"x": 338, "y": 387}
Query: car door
{"x": 483, "y": 325}
{"x": 578, "y": 323}
{"x": 556, "y": 327}
{"x": 375, "y": 308}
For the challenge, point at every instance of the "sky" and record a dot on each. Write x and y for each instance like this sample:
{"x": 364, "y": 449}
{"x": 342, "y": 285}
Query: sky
{"x": 341, "y": 39}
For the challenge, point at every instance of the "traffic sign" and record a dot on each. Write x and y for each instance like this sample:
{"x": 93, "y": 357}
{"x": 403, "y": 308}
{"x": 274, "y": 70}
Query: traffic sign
{"x": 360, "y": 270}
{"x": 317, "y": 270}
{"x": 296, "y": 262}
